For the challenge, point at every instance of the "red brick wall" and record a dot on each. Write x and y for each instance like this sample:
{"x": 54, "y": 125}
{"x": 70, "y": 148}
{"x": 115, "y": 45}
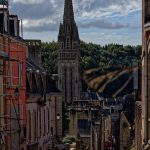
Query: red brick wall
{"x": 17, "y": 51}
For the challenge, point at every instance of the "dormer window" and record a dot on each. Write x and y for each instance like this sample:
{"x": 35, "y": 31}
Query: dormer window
{"x": 1, "y": 21}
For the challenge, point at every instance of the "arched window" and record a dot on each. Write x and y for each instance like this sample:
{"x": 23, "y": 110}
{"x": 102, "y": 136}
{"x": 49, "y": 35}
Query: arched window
{"x": 40, "y": 117}
{"x": 48, "y": 119}
{"x": 62, "y": 45}
{"x": 44, "y": 123}
{"x": 29, "y": 125}
{"x": 35, "y": 125}
{"x": 67, "y": 43}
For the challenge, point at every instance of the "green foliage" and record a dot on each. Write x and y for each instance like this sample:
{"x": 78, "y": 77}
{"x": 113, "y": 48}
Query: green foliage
{"x": 49, "y": 56}
{"x": 94, "y": 56}
{"x": 69, "y": 139}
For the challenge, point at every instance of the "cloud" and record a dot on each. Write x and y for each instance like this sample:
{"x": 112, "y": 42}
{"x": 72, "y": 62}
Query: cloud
{"x": 99, "y": 8}
{"x": 43, "y": 15}
{"x": 105, "y": 24}
{"x": 28, "y": 1}
{"x": 40, "y": 25}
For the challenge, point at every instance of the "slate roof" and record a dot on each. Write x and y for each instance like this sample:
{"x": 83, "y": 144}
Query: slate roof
{"x": 50, "y": 83}
{"x": 129, "y": 108}
{"x": 32, "y": 65}
{"x": 114, "y": 83}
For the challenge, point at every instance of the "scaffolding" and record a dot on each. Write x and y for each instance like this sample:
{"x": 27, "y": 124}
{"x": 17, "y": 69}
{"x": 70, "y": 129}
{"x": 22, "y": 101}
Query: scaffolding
{"x": 10, "y": 87}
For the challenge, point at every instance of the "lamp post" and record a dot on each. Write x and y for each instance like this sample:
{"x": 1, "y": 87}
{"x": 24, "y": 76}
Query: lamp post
{"x": 57, "y": 119}
{"x": 58, "y": 116}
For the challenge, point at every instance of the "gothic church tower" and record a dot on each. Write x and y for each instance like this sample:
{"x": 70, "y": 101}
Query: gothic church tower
{"x": 69, "y": 56}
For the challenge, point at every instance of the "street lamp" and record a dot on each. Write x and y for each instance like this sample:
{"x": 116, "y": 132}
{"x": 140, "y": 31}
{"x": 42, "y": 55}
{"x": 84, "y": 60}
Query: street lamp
{"x": 58, "y": 116}
{"x": 57, "y": 119}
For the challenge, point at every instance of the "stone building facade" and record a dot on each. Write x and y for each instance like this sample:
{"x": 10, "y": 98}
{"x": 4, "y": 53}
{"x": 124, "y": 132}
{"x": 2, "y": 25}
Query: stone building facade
{"x": 69, "y": 56}
{"x": 85, "y": 120}
{"x": 125, "y": 133}
{"x": 43, "y": 106}
{"x": 138, "y": 126}
{"x": 146, "y": 74}
{"x": 42, "y": 122}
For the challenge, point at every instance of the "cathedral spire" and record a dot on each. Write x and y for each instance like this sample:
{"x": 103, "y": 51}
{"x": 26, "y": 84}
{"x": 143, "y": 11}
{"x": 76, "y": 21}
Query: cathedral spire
{"x": 69, "y": 56}
{"x": 68, "y": 11}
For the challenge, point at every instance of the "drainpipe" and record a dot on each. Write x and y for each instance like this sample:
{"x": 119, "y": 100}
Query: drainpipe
{"x": 145, "y": 91}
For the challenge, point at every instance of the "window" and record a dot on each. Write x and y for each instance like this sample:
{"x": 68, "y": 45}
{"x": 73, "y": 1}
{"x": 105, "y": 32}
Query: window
{"x": 20, "y": 74}
{"x": 44, "y": 123}
{"x": 48, "y": 118}
{"x": 83, "y": 126}
{"x": 35, "y": 125}
{"x": 65, "y": 81}
{"x": 71, "y": 78}
{"x": 12, "y": 27}
{"x": 52, "y": 131}
{"x": 62, "y": 45}
{"x": 68, "y": 43}
{"x": 147, "y": 10}
{"x": 29, "y": 124}
{"x": 1, "y": 22}
{"x": 40, "y": 121}
{"x": 10, "y": 74}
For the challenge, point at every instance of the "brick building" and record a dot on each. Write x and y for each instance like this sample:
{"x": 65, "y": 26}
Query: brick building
{"x": 13, "y": 80}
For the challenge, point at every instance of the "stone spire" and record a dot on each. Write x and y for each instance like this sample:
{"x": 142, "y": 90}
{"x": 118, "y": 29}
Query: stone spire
{"x": 68, "y": 11}
{"x": 68, "y": 37}
{"x": 69, "y": 56}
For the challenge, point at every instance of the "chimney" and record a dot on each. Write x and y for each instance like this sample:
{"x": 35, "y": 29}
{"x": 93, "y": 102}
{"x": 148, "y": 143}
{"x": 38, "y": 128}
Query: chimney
{"x": 3, "y": 19}
{"x": 14, "y": 25}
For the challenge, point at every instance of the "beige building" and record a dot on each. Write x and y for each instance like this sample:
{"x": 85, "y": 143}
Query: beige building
{"x": 126, "y": 140}
{"x": 44, "y": 104}
{"x": 86, "y": 121}
{"x": 146, "y": 75}
{"x": 42, "y": 121}
{"x": 138, "y": 126}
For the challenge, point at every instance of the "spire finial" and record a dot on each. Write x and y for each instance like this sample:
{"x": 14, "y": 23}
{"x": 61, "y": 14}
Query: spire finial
{"x": 68, "y": 11}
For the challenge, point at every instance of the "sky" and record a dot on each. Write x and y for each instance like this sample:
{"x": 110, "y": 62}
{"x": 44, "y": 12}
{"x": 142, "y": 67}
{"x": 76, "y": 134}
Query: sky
{"x": 99, "y": 21}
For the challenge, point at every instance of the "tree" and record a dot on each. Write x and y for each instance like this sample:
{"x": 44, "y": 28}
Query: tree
{"x": 94, "y": 55}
